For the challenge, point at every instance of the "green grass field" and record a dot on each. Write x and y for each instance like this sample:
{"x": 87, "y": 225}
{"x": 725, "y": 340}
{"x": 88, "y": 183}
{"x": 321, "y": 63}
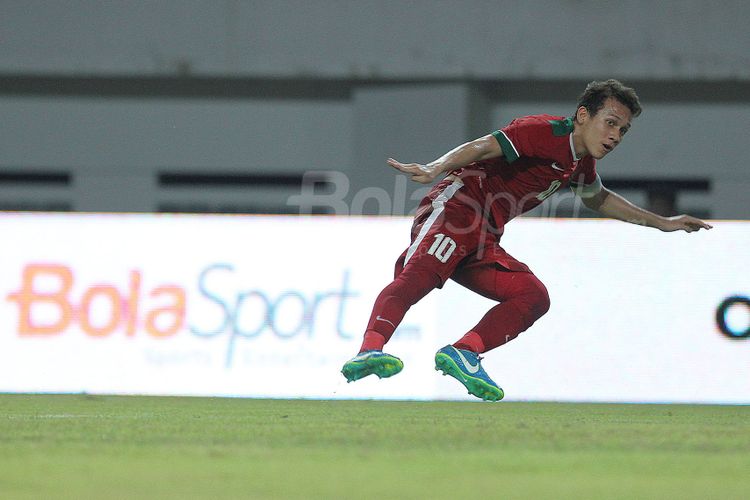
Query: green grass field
{"x": 148, "y": 447}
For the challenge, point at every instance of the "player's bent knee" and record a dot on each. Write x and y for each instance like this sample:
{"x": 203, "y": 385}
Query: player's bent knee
{"x": 542, "y": 303}
{"x": 536, "y": 301}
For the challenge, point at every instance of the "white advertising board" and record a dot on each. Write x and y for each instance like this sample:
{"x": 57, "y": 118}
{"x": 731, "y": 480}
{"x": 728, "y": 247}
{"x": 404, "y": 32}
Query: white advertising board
{"x": 271, "y": 306}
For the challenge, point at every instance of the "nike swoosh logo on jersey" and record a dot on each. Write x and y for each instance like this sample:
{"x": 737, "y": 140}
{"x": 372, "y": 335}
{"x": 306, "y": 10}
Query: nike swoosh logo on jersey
{"x": 378, "y": 318}
{"x": 555, "y": 166}
{"x": 469, "y": 367}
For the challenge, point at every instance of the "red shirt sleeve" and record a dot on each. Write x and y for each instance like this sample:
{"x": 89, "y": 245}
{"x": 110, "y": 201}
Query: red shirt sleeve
{"x": 527, "y": 136}
{"x": 585, "y": 181}
{"x": 587, "y": 170}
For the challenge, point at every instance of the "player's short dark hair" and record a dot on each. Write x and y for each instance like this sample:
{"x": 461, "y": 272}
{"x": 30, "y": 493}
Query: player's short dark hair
{"x": 599, "y": 91}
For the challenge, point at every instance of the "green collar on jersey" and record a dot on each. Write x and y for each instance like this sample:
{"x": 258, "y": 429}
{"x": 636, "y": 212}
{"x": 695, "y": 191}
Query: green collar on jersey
{"x": 562, "y": 127}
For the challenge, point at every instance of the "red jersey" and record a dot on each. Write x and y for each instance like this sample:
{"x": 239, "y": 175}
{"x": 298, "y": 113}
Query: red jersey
{"x": 538, "y": 159}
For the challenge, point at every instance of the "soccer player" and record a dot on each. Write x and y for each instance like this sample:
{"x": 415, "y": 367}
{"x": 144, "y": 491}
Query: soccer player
{"x": 458, "y": 225}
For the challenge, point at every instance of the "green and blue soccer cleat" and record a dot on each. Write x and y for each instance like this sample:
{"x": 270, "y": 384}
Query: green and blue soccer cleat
{"x": 368, "y": 362}
{"x": 465, "y": 367}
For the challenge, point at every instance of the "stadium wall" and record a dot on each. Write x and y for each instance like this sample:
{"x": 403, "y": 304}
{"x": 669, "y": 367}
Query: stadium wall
{"x": 271, "y": 306}
{"x": 637, "y": 39}
{"x": 114, "y": 149}
{"x": 110, "y": 94}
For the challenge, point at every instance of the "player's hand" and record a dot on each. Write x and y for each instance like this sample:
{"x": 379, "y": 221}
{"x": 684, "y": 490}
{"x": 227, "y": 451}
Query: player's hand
{"x": 419, "y": 173}
{"x": 684, "y": 223}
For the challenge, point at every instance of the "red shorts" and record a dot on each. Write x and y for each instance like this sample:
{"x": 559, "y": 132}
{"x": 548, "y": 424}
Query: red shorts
{"x": 452, "y": 234}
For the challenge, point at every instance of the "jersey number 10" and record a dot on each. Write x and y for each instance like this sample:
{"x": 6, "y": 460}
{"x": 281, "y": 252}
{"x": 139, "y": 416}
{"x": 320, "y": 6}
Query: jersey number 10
{"x": 442, "y": 248}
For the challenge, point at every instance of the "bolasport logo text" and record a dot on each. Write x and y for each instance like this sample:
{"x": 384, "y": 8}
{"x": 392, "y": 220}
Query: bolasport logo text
{"x": 48, "y": 306}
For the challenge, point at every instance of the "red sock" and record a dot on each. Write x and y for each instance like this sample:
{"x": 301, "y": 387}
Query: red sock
{"x": 373, "y": 341}
{"x": 472, "y": 341}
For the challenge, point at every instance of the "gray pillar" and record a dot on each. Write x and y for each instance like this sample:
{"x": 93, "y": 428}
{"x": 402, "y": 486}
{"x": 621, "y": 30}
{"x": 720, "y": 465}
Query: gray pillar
{"x": 730, "y": 200}
{"x": 412, "y": 123}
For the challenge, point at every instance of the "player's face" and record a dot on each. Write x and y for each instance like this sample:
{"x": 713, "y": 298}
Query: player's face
{"x": 602, "y": 132}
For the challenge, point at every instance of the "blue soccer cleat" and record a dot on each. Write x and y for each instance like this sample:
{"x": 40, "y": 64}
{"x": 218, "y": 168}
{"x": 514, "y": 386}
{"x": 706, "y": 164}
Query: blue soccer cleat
{"x": 368, "y": 362}
{"x": 465, "y": 367}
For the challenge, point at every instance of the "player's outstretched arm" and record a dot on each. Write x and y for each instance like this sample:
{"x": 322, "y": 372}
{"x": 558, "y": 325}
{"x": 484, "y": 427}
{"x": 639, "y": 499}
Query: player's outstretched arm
{"x": 479, "y": 149}
{"x": 613, "y": 205}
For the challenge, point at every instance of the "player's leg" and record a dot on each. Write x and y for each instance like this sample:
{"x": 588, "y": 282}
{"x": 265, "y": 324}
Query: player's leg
{"x": 408, "y": 288}
{"x": 441, "y": 235}
{"x": 390, "y": 307}
{"x": 524, "y": 299}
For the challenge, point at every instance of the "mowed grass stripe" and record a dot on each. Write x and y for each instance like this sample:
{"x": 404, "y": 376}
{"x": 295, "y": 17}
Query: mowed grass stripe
{"x": 136, "y": 447}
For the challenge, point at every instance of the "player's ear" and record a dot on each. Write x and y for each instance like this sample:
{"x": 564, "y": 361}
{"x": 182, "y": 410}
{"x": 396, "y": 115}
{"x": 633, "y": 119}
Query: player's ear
{"x": 581, "y": 114}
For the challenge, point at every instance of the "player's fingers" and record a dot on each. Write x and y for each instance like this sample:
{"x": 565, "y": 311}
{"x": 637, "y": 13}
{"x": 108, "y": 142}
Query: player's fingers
{"x": 418, "y": 172}
{"x": 698, "y": 224}
{"x": 393, "y": 163}
{"x": 397, "y": 164}
{"x": 691, "y": 224}
{"x": 407, "y": 169}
